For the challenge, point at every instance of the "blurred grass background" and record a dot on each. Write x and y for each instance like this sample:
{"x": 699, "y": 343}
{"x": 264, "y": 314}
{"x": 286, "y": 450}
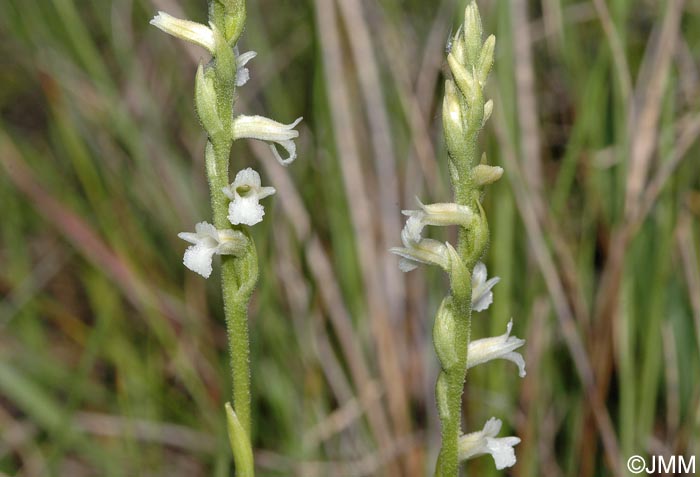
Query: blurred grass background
{"x": 112, "y": 355}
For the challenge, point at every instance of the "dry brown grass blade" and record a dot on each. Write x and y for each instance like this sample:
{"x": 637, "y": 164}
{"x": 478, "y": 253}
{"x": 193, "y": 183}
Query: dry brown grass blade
{"x": 619, "y": 57}
{"x": 643, "y": 123}
{"x": 691, "y": 267}
{"x": 354, "y": 181}
{"x": 380, "y": 133}
{"x": 396, "y": 48}
{"x": 527, "y": 100}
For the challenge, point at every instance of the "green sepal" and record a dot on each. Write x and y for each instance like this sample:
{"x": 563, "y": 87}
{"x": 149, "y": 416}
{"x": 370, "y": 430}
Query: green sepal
{"x": 478, "y": 237}
{"x": 248, "y": 271}
{"x": 442, "y": 396}
{"x": 240, "y": 445}
{"x": 205, "y": 101}
{"x": 460, "y": 278}
{"x": 445, "y": 334}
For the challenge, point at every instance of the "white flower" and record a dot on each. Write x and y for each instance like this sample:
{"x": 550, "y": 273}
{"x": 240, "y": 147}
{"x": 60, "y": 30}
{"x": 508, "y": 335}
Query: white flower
{"x": 441, "y": 214}
{"x": 482, "y": 296}
{"x": 485, "y": 442}
{"x": 265, "y": 129}
{"x": 207, "y": 241}
{"x": 417, "y": 249}
{"x": 245, "y": 193}
{"x": 497, "y": 347}
{"x": 186, "y": 30}
{"x": 242, "y": 73}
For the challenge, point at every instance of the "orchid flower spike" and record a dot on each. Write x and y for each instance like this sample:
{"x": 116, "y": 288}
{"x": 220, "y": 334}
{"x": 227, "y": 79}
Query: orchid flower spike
{"x": 482, "y": 296}
{"x": 186, "y": 30}
{"x": 417, "y": 249}
{"x": 208, "y": 241}
{"x": 242, "y": 73}
{"x": 497, "y": 347}
{"x": 265, "y": 129}
{"x": 485, "y": 442}
{"x": 245, "y": 193}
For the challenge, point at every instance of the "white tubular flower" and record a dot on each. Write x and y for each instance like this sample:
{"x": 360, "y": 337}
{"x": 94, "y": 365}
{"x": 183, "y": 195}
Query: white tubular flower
{"x": 186, "y": 30}
{"x": 442, "y": 214}
{"x": 245, "y": 193}
{"x": 207, "y": 241}
{"x": 482, "y": 296}
{"x": 497, "y": 347}
{"x": 485, "y": 442}
{"x": 265, "y": 129}
{"x": 417, "y": 249}
{"x": 242, "y": 73}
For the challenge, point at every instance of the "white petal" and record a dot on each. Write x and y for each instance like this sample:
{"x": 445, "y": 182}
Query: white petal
{"x": 247, "y": 177}
{"x": 479, "y": 274}
{"x": 492, "y": 427}
{"x": 244, "y": 58}
{"x": 242, "y": 73}
{"x": 242, "y": 76}
{"x": 518, "y": 359}
{"x": 266, "y": 192}
{"x": 406, "y": 265}
{"x": 198, "y": 259}
{"x": 186, "y": 30}
{"x": 188, "y": 237}
{"x": 291, "y": 150}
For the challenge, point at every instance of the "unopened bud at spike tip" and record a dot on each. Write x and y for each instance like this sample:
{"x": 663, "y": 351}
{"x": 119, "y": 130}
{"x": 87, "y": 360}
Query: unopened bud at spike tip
{"x": 472, "y": 33}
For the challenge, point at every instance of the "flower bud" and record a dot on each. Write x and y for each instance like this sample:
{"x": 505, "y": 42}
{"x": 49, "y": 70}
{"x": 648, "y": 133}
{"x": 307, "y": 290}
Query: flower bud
{"x": 457, "y": 46}
{"x": 444, "y": 334}
{"x": 205, "y": 101}
{"x": 472, "y": 33}
{"x": 464, "y": 79}
{"x": 453, "y": 121}
{"x": 484, "y": 175}
{"x": 486, "y": 59}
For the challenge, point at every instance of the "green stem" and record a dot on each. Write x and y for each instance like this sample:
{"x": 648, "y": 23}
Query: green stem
{"x": 451, "y": 420}
{"x": 239, "y": 276}
{"x": 236, "y": 312}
